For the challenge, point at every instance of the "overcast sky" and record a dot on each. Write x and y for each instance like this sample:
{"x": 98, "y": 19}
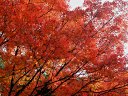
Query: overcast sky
{"x": 79, "y": 3}
{"x": 76, "y": 3}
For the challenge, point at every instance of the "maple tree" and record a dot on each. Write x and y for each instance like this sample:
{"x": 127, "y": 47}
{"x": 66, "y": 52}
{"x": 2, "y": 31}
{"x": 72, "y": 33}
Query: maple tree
{"x": 47, "y": 49}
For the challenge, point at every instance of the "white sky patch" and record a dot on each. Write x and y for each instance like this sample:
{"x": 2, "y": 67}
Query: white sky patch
{"x": 126, "y": 52}
{"x": 106, "y": 1}
{"x": 126, "y": 65}
{"x": 75, "y": 3}
{"x": 125, "y": 48}
{"x": 4, "y": 49}
{"x": 82, "y": 73}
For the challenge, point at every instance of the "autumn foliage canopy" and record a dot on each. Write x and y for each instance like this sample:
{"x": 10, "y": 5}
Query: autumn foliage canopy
{"x": 46, "y": 49}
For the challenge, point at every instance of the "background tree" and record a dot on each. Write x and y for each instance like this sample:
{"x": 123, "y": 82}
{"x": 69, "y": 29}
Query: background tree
{"x": 46, "y": 49}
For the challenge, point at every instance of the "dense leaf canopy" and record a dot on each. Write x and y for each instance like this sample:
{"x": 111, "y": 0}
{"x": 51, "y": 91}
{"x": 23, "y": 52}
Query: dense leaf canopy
{"x": 48, "y": 50}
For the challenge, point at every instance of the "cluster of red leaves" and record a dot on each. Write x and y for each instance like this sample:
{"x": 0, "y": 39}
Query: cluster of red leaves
{"x": 47, "y": 49}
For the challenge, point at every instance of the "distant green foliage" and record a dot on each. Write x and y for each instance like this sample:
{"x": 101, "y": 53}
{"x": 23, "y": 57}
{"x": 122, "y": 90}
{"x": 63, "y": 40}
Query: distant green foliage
{"x": 45, "y": 75}
{"x": 1, "y": 63}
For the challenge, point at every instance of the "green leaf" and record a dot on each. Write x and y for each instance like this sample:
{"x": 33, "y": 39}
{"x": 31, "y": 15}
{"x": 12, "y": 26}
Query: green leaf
{"x": 1, "y": 63}
{"x": 45, "y": 75}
